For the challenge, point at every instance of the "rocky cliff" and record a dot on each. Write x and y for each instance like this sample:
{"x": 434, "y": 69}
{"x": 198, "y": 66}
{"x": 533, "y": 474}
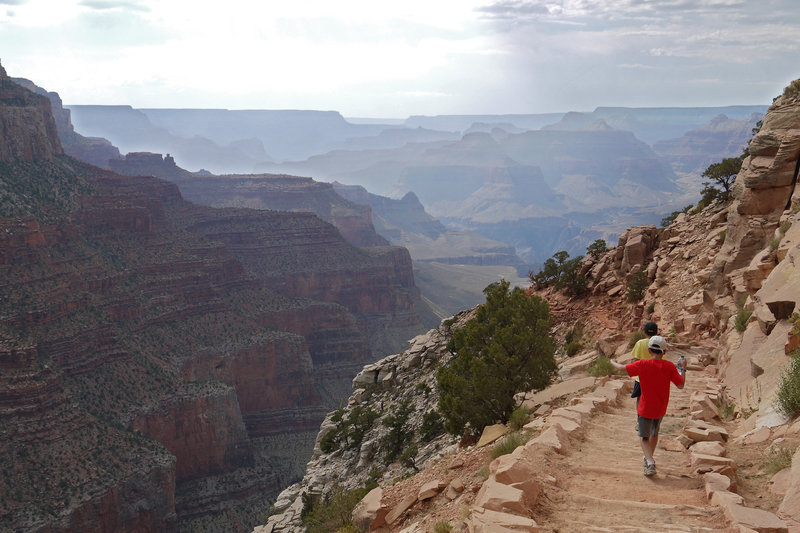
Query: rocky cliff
{"x": 163, "y": 368}
{"x": 94, "y": 150}
{"x": 28, "y": 130}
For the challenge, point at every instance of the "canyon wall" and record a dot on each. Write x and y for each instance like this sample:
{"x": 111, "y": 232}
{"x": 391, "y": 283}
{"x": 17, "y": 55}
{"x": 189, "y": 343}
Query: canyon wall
{"x": 166, "y": 365}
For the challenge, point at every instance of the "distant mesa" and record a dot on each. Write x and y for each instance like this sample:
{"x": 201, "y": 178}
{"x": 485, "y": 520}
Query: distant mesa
{"x": 147, "y": 164}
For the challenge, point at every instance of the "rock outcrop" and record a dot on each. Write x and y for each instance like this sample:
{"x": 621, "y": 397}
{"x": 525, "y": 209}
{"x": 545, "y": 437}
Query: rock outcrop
{"x": 404, "y": 380}
{"x": 27, "y": 131}
{"x": 93, "y": 150}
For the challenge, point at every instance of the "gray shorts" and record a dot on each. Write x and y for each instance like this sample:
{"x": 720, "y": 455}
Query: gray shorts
{"x": 648, "y": 426}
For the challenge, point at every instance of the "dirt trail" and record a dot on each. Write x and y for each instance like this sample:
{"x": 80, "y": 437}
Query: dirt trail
{"x": 601, "y": 486}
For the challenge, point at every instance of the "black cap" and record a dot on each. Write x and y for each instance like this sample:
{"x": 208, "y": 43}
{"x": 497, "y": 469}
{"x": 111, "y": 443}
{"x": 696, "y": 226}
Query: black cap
{"x": 650, "y": 328}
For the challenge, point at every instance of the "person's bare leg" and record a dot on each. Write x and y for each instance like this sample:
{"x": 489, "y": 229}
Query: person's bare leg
{"x": 647, "y": 449}
{"x": 653, "y": 442}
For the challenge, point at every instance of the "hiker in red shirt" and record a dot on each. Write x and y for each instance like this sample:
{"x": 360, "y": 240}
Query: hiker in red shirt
{"x": 655, "y": 375}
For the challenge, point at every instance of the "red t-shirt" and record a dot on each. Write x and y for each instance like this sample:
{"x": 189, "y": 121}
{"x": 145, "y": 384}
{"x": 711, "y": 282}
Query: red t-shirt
{"x": 654, "y": 377}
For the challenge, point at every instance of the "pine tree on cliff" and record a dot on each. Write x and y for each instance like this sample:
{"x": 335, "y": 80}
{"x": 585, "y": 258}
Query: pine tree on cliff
{"x": 506, "y": 348}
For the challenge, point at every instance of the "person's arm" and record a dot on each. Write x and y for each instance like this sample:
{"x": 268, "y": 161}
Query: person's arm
{"x": 618, "y": 366}
{"x": 683, "y": 378}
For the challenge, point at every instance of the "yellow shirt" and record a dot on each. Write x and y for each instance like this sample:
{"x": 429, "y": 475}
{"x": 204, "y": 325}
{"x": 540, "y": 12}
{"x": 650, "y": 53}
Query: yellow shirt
{"x": 640, "y": 351}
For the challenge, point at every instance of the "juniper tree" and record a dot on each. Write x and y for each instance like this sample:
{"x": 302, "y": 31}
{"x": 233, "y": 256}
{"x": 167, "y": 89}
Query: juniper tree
{"x": 722, "y": 174}
{"x": 506, "y": 348}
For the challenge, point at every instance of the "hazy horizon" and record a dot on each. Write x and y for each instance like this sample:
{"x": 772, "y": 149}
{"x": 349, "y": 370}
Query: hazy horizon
{"x": 367, "y": 60}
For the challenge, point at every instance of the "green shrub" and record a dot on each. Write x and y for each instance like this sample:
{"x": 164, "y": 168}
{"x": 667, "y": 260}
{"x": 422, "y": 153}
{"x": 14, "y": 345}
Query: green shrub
{"x": 574, "y": 333}
{"x": 784, "y": 227}
{"x": 788, "y": 397}
{"x": 334, "y": 513}
{"x": 776, "y": 460}
{"x": 572, "y": 339}
{"x": 573, "y": 347}
{"x": 726, "y": 407}
{"x": 432, "y": 426}
{"x": 519, "y": 417}
{"x": 424, "y": 389}
{"x": 650, "y": 310}
{"x": 398, "y": 436}
{"x": 350, "y": 431}
{"x": 792, "y": 90}
{"x": 601, "y": 367}
{"x": 442, "y": 527}
{"x": 597, "y": 248}
{"x": 504, "y": 349}
{"x": 408, "y": 456}
{"x": 563, "y": 273}
{"x": 637, "y": 286}
{"x": 742, "y": 316}
{"x": 508, "y": 444}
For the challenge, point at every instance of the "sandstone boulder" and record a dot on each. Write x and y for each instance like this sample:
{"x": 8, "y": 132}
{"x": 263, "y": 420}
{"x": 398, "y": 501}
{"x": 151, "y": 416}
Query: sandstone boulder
{"x": 554, "y": 437}
{"x": 781, "y": 482}
{"x": 755, "y": 519}
{"x": 491, "y": 434}
{"x": 500, "y": 497}
{"x": 702, "y": 431}
{"x": 709, "y": 448}
{"x": 717, "y": 482}
{"x": 370, "y": 513}
{"x": 400, "y": 509}
{"x": 489, "y": 521}
{"x": 430, "y": 489}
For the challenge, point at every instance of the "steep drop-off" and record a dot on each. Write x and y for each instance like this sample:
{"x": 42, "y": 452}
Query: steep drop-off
{"x": 165, "y": 365}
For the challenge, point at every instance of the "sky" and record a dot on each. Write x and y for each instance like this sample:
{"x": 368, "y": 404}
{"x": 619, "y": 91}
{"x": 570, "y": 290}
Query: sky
{"x": 372, "y": 58}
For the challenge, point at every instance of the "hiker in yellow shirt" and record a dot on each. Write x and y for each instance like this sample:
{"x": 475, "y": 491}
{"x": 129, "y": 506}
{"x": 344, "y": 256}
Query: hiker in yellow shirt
{"x": 640, "y": 351}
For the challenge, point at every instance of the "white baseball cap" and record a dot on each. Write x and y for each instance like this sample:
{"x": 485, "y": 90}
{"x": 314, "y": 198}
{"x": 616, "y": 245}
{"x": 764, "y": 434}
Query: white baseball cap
{"x": 657, "y": 344}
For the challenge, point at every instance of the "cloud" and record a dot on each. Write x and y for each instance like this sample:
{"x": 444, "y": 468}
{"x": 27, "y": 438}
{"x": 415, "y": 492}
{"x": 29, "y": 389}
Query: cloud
{"x": 636, "y": 66}
{"x": 512, "y": 9}
{"x": 104, "y": 5}
{"x": 361, "y": 56}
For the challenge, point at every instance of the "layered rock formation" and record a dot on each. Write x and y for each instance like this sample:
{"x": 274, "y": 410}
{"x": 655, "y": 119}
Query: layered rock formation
{"x": 164, "y": 365}
{"x": 405, "y": 223}
{"x": 94, "y": 150}
{"x": 285, "y": 193}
